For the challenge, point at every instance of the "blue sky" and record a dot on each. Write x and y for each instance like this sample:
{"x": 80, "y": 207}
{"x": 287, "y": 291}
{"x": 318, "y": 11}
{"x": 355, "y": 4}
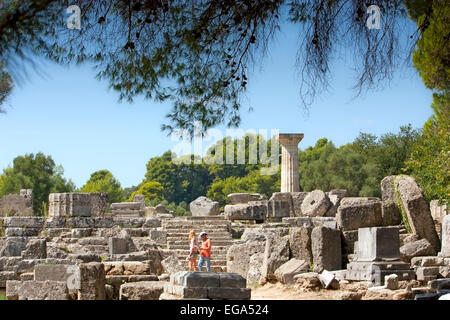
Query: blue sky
{"x": 73, "y": 117}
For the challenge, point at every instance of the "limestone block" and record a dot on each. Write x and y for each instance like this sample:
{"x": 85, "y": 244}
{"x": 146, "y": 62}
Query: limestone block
{"x": 315, "y": 204}
{"x": 328, "y": 280}
{"x": 276, "y": 253}
{"x": 375, "y": 244}
{"x": 158, "y": 236}
{"x": 255, "y": 264}
{"x": 231, "y": 280}
{"x": 335, "y": 196}
{"x": 37, "y": 290}
{"x": 391, "y": 282}
{"x": 326, "y": 249}
{"x": 300, "y": 243}
{"x": 144, "y": 290}
{"x": 297, "y": 200}
{"x": 237, "y": 198}
{"x": 6, "y": 276}
{"x": 202, "y": 206}
{"x": 14, "y": 246}
{"x": 280, "y": 205}
{"x": 355, "y": 213}
{"x": 35, "y": 249}
{"x": 415, "y": 249}
{"x": 286, "y": 272}
{"x": 172, "y": 264}
{"x": 417, "y": 210}
{"x": 23, "y": 222}
{"x": 445, "y": 252}
{"x": 239, "y": 256}
{"x": 92, "y": 281}
{"x": 229, "y": 293}
{"x": 254, "y": 210}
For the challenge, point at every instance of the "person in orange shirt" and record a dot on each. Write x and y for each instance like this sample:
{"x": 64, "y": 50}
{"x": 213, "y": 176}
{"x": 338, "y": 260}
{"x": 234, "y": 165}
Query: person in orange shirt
{"x": 205, "y": 252}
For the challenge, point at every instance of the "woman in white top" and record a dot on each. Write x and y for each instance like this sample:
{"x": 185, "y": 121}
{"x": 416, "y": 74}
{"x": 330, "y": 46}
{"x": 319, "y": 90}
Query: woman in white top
{"x": 193, "y": 251}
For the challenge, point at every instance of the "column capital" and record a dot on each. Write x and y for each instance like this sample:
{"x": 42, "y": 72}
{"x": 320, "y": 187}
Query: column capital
{"x": 290, "y": 138}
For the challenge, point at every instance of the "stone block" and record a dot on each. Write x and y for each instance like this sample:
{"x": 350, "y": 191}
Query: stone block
{"x": 391, "y": 282}
{"x": 237, "y": 198}
{"x": 159, "y": 236}
{"x": 445, "y": 252}
{"x": 255, "y": 265}
{"x": 286, "y": 272}
{"x": 22, "y": 232}
{"x": 17, "y": 205}
{"x": 238, "y": 256}
{"x": 415, "y": 249}
{"x": 202, "y": 206}
{"x": 375, "y": 244}
{"x": 144, "y": 290}
{"x": 58, "y": 272}
{"x": 231, "y": 280}
{"x": 23, "y": 222}
{"x": 377, "y": 270}
{"x": 297, "y": 200}
{"x": 92, "y": 281}
{"x": 417, "y": 209}
{"x": 36, "y": 290}
{"x": 276, "y": 253}
{"x": 355, "y": 213}
{"x": 117, "y": 245}
{"x": 229, "y": 293}
{"x": 254, "y": 210}
{"x": 280, "y": 205}
{"x": 152, "y": 223}
{"x": 172, "y": 264}
{"x": 328, "y": 280}
{"x": 5, "y": 276}
{"x": 335, "y": 197}
{"x": 326, "y": 249}
{"x": 200, "y": 280}
{"x": 14, "y": 246}
{"x": 315, "y": 204}
{"x": 81, "y": 232}
{"x": 69, "y": 205}
{"x": 300, "y": 243}
{"x": 349, "y": 238}
{"x": 35, "y": 249}
{"x": 187, "y": 293}
{"x": 427, "y": 273}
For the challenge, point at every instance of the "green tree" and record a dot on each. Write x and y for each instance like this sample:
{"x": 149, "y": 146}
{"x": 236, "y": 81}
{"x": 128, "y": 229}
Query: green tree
{"x": 151, "y": 190}
{"x": 104, "y": 181}
{"x": 429, "y": 162}
{"x": 37, "y": 172}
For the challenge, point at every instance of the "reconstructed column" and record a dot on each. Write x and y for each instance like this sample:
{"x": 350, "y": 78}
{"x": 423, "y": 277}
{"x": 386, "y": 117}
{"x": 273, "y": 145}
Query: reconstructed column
{"x": 289, "y": 161}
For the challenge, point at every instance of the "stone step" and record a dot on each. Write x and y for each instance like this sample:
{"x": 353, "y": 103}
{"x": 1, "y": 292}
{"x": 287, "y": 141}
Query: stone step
{"x": 185, "y": 252}
{"x": 180, "y": 234}
{"x": 186, "y": 247}
{"x": 216, "y": 242}
{"x": 197, "y": 229}
{"x": 196, "y": 223}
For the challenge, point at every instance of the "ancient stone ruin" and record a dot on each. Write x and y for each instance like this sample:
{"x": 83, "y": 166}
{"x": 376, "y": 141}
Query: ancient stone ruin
{"x": 358, "y": 247}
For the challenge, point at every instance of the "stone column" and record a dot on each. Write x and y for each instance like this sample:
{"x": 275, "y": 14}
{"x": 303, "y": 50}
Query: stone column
{"x": 289, "y": 161}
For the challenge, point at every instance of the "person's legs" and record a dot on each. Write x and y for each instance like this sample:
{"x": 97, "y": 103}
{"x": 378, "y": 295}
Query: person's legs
{"x": 208, "y": 264}
{"x": 200, "y": 263}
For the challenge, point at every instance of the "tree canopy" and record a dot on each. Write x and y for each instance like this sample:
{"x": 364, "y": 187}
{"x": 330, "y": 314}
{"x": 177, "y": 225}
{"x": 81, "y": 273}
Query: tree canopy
{"x": 37, "y": 172}
{"x": 200, "y": 53}
{"x": 104, "y": 181}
